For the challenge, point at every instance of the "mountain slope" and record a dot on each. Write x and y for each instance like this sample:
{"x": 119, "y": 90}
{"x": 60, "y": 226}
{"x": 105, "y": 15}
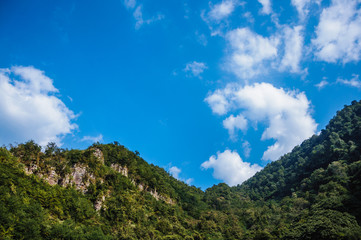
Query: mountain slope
{"x": 106, "y": 186}
{"x": 314, "y": 191}
{"x": 340, "y": 141}
{"x": 109, "y": 192}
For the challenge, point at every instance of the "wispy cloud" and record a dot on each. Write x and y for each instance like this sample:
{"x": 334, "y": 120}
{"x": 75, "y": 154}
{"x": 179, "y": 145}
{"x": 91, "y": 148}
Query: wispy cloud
{"x": 130, "y": 4}
{"x": 93, "y": 139}
{"x": 246, "y": 149}
{"x": 201, "y": 38}
{"x": 217, "y": 16}
{"x": 221, "y": 10}
{"x": 139, "y": 21}
{"x": 322, "y": 84}
{"x": 195, "y": 68}
{"x": 353, "y": 82}
{"x": 137, "y": 10}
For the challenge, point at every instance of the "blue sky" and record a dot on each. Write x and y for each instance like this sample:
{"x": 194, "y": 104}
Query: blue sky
{"x": 210, "y": 90}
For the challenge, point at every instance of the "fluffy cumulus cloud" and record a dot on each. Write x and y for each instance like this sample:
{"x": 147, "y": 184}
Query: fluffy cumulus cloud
{"x": 266, "y": 6}
{"x": 229, "y": 167}
{"x": 232, "y": 124}
{"x": 195, "y": 68}
{"x": 30, "y": 110}
{"x": 293, "y": 44}
{"x": 286, "y": 113}
{"x": 250, "y": 52}
{"x": 218, "y": 101}
{"x": 338, "y": 34}
{"x": 353, "y": 82}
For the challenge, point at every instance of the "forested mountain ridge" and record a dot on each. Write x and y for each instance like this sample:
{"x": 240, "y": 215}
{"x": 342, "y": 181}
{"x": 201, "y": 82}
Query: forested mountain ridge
{"x": 340, "y": 142}
{"x": 109, "y": 192}
{"x": 317, "y": 185}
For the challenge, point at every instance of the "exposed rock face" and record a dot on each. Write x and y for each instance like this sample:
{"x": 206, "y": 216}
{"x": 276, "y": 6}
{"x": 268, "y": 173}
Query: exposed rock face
{"x": 99, "y": 154}
{"x": 30, "y": 170}
{"x": 141, "y": 187}
{"x": 80, "y": 177}
{"x": 99, "y": 204}
{"x": 52, "y": 178}
{"x": 124, "y": 171}
{"x": 120, "y": 169}
{"x": 158, "y": 196}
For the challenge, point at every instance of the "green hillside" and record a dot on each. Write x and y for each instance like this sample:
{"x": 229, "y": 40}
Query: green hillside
{"x": 109, "y": 192}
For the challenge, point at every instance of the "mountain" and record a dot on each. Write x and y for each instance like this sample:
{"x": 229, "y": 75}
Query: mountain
{"x": 109, "y": 192}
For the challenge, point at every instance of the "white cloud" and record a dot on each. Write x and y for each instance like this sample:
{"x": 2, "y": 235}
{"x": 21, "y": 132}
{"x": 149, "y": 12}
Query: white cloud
{"x": 233, "y": 123}
{"x": 29, "y": 110}
{"x": 196, "y": 68}
{"x": 322, "y": 84}
{"x": 218, "y": 101}
{"x": 93, "y": 139}
{"x": 139, "y": 21}
{"x": 137, "y": 10}
{"x": 130, "y": 4}
{"x": 249, "y": 17}
{"x": 221, "y": 10}
{"x": 229, "y": 167}
{"x": 339, "y": 32}
{"x": 201, "y": 39}
{"x": 287, "y": 114}
{"x": 217, "y": 16}
{"x": 246, "y": 148}
{"x": 189, "y": 181}
{"x": 138, "y": 16}
{"x": 250, "y": 52}
{"x": 302, "y": 7}
{"x": 175, "y": 171}
{"x": 266, "y": 6}
{"x": 353, "y": 82}
{"x": 293, "y": 44}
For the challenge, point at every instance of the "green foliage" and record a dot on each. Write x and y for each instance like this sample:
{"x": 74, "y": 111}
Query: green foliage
{"x": 325, "y": 224}
{"x": 314, "y": 192}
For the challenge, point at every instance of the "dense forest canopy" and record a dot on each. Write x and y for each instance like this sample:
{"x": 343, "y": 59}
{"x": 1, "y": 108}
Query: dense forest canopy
{"x": 109, "y": 192}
